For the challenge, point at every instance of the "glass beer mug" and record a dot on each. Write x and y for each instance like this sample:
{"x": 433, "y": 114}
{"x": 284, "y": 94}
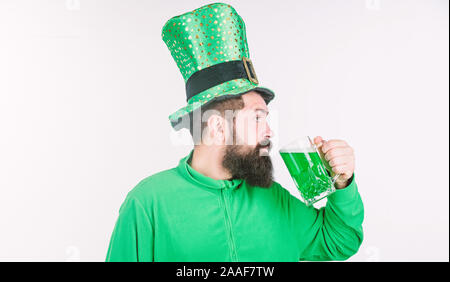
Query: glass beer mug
{"x": 308, "y": 168}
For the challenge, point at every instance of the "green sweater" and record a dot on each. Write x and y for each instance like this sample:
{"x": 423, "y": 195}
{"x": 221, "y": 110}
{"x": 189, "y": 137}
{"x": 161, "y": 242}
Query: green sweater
{"x": 181, "y": 215}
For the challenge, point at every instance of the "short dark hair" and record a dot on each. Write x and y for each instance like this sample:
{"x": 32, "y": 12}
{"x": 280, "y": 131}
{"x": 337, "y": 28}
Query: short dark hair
{"x": 220, "y": 105}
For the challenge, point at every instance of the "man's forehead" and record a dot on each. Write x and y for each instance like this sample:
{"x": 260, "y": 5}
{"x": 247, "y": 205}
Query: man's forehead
{"x": 254, "y": 102}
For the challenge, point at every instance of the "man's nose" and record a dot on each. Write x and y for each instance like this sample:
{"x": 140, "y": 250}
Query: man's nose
{"x": 268, "y": 133}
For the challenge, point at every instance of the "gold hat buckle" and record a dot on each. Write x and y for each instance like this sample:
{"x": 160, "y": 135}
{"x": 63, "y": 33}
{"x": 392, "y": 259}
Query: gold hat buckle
{"x": 248, "y": 65}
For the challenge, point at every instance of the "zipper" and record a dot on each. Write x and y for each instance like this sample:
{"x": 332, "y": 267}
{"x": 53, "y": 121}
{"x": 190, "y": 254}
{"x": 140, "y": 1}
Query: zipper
{"x": 228, "y": 224}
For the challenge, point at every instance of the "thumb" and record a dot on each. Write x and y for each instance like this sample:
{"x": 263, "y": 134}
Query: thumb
{"x": 318, "y": 141}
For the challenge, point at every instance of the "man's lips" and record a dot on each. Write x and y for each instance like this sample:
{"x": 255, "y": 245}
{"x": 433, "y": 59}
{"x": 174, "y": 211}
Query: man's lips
{"x": 264, "y": 151}
{"x": 267, "y": 147}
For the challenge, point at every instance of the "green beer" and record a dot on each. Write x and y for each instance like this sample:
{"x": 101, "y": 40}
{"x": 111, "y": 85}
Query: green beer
{"x": 309, "y": 174}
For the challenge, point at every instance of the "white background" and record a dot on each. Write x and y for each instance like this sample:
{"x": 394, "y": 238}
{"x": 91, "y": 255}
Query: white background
{"x": 86, "y": 88}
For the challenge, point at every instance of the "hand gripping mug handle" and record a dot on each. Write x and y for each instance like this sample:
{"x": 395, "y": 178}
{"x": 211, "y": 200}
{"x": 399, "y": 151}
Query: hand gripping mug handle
{"x": 324, "y": 161}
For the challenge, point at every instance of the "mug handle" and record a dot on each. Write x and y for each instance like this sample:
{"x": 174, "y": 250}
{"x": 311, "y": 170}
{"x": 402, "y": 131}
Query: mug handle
{"x": 324, "y": 161}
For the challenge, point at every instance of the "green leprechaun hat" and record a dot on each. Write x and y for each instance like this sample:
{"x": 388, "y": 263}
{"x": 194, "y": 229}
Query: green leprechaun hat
{"x": 210, "y": 48}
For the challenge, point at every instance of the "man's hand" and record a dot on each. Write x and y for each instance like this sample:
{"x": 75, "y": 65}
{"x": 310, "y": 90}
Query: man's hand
{"x": 341, "y": 158}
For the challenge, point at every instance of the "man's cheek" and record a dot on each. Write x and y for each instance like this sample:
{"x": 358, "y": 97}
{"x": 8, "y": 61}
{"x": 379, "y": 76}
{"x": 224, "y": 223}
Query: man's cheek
{"x": 246, "y": 132}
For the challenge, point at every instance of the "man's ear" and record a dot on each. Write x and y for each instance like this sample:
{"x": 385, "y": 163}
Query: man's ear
{"x": 216, "y": 129}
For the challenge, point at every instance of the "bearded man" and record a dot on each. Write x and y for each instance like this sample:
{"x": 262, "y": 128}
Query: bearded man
{"x": 221, "y": 203}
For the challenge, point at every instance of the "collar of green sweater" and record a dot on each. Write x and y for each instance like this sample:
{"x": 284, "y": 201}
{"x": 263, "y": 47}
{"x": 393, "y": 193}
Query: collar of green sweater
{"x": 202, "y": 180}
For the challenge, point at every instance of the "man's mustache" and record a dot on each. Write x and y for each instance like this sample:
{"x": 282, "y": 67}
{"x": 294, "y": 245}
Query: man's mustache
{"x": 265, "y": 144}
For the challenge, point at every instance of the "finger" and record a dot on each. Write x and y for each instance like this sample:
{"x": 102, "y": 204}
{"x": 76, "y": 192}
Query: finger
{"x": 343, "y": 170}
{"x": 330, "y": 144}
{"x": 342, "y": 160}
{"x": 337, "y": 152}
{"x": 318, "y": 140}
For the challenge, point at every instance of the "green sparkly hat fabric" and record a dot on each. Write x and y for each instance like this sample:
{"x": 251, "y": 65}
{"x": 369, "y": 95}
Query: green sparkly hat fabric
{"x": 207, "y": 36}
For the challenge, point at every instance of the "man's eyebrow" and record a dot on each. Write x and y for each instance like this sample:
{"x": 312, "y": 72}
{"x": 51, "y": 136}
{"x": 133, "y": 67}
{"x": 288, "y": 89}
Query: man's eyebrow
{"x": 262, "y": 110}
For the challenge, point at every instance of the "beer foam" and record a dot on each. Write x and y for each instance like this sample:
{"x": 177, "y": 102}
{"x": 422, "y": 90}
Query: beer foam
{"x": 299, "y": 145}
{"x": 298, "y": 150}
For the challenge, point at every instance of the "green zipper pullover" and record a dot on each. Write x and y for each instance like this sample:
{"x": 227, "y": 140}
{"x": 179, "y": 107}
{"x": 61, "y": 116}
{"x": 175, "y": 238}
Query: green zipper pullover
{"x": 182, "y": 215}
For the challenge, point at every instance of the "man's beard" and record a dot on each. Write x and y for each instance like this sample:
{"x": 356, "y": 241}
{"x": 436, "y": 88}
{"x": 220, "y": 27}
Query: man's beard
{"x": 255, "y": 168}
